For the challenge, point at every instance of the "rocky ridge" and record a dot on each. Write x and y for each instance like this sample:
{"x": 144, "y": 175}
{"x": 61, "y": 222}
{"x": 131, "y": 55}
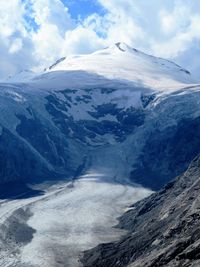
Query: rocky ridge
{"x": 163, "y": 229}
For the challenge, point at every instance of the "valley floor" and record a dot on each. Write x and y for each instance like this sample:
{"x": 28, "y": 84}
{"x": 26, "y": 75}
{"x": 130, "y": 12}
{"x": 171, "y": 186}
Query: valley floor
{"x": 52, "y": 230}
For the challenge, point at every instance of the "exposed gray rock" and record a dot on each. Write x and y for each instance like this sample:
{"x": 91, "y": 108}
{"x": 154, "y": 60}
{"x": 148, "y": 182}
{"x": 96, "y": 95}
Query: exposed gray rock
{"x": 14, "y": 234}
{"x": 163, "y": 229}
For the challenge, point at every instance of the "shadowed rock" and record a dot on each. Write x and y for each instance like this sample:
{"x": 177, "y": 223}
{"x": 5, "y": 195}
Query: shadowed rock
{"x": 163, "y": 229}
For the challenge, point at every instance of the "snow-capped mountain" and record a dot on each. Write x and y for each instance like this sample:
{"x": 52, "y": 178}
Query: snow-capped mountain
{"x": 118, "y": 63}
{"x": 126, "y": 64}
{"x": 118, "y": 122}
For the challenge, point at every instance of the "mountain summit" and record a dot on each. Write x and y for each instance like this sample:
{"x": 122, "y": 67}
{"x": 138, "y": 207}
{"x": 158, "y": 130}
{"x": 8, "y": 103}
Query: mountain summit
{"x": 118, "y": 65}
{"x": 121, "y": 62}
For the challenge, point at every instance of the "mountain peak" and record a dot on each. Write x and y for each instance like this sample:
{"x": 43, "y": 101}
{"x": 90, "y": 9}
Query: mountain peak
{"x": 120, "y": 62}
{"x": 124, "y": 47}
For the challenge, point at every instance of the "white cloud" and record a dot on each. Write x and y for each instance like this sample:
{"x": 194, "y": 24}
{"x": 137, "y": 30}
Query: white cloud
{"x": 53, "y": 20}
{"x": 180, "y": 41}
{"x": 165, "y": 28}
{"x": 52, "y": 12}
{"x": 184, "y": 26}
{"x": 11, "y": 14}
{"x": 15, "y": 42}
{"x": 15, "y": 46}
{"x": 47, "y": 43}
{"x": 121, "y": 22}
{"x": 38, "y": 32}
{"x": 81, "y": 40}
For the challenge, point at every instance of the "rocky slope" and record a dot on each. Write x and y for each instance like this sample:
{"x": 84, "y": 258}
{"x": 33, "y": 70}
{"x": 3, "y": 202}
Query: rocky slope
{"x": 163, "y": 229}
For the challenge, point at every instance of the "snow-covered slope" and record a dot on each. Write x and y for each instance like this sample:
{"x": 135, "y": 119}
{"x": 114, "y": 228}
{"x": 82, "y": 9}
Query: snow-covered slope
{"x": 118, "y": 117}
{"x": 118, "y": 66}
{"x": 121, "y": 62}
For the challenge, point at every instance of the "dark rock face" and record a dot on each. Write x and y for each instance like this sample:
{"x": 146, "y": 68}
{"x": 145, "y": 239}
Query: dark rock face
{"x": 50, "y": 146}
{"x": 167, "y": 154}
{"x": 16, "y": 161}
{"x": 126, "y": 120}
{"x": 163, "y": 229}
{"x": 17, "y": 190}
{"x": 15, "y": 233}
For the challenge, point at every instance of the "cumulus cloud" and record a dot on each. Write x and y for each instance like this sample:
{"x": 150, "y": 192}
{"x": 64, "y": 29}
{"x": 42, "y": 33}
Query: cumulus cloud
{"x": 52, "y": 20}
{"x": 81, "y": 40}
{"x": 35, "y": 33}
{"x": 181, "y": 28}
{"x": 11, "y": 14}
{"x": 15, "y": 42}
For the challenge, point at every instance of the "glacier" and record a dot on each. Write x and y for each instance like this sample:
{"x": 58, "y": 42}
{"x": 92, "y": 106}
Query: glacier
{"x": 85, "y": 139}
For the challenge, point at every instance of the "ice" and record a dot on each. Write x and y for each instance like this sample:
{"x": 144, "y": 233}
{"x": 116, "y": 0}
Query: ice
{"x": 77, "y": 219}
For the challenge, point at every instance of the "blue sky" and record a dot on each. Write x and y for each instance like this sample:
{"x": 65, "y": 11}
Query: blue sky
{"x": 35, "y": 33}
{"x": 83, "y": 8}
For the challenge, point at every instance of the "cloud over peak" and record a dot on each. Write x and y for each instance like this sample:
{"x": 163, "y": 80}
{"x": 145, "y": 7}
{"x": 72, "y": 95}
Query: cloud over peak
{"x": 34, "y": 33}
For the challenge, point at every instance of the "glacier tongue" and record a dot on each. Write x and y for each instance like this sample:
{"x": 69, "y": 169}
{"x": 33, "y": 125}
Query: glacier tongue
{"x": 76, "y": 219}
